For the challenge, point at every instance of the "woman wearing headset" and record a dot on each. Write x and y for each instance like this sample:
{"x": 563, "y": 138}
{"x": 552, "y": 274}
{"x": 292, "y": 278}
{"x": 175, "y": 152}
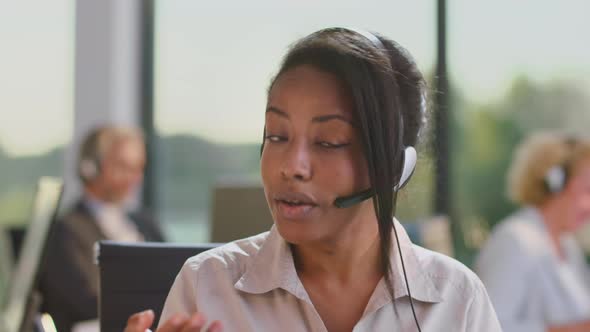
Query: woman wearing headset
{"x": 342, "y": 116}
{"x": 534, "y": 271}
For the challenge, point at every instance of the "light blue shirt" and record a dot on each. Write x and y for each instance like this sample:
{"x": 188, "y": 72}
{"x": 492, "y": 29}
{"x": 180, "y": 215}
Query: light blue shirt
{"x": 530, "y": 287}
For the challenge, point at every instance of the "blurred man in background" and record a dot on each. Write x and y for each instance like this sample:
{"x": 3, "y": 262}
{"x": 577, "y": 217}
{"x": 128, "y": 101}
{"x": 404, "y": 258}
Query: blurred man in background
{"x": 534, "y": 270}
{"x": 111, "y": 167}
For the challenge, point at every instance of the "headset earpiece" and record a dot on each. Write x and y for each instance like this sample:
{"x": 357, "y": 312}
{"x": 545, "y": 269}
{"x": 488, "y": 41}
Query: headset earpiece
{"x": 410, "y": 160}
{"x": 88, "y": 169}
{"x": 89, "y": 162}
{"x": 555, "y": 179}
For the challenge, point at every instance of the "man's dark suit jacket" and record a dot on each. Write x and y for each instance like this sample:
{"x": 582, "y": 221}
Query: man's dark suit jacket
{"x": 69, "y": 281}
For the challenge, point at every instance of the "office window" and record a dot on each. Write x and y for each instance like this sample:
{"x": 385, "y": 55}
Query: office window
{"x": 213, "y": 64}
{"x": 515, "y": 67}
{"x": 36, "y": 89}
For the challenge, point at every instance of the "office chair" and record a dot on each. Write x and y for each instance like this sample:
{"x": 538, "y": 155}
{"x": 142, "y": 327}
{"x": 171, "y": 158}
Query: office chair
{"x": 136, "y": 277}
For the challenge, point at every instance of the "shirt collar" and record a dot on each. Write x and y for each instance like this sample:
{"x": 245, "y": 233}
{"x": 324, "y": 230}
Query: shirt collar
{"x": 93, "y": 205}
{"x": 421, "y": 284}
{"x": 533, "y": 214}
{"x": 273, "y": 267}
{"x": 97, "y": 208}
{"x": 568, "y": 242}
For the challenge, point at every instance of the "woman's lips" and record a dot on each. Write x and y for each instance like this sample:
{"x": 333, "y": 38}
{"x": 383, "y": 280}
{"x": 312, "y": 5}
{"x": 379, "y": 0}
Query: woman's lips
{"x": 294, "y": 211}
{"x": 292, "y": 205}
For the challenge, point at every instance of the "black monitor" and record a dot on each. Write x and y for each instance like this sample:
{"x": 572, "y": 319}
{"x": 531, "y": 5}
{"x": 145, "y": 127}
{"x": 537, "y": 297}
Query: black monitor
{"x": 20, "y": 301}
{"x": 138, "y": 276}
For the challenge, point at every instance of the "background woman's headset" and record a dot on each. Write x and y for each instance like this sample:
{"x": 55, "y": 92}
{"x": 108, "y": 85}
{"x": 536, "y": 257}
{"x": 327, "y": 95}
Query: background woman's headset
{"x": 556, "y": 178}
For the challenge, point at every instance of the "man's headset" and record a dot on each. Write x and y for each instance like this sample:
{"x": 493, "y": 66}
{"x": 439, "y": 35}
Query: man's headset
{"x": 91, "y": 158}
{"x": 89, "y": 161}
{"x": 556, "y": 178}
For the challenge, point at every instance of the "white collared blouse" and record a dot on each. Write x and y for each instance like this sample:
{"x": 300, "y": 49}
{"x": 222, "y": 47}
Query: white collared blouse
{"x": 252, "y": 285}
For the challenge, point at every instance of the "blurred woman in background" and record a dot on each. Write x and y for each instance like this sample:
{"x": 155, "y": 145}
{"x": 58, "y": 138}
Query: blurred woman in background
{"x": 534, "y": 270}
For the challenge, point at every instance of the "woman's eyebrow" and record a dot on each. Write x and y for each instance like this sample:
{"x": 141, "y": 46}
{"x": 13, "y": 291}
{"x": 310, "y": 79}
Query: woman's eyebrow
{"x": 329, "y": 117}
{"x": 272, "y": 109}
{"x": 317, "y": 119}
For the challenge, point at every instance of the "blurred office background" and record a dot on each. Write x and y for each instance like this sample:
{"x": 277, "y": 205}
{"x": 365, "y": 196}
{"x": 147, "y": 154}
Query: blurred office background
{"x": 194, "y": 75}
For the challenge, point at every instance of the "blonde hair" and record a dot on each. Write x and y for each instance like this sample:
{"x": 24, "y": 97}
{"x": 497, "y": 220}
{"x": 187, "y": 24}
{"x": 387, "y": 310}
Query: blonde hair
{"x": 535, "y": 157}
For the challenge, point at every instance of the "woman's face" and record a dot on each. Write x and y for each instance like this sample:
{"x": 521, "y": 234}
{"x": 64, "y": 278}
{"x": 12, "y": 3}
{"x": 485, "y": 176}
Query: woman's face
{"x": 312, "y": 155}
{"x": 577, "y": 193}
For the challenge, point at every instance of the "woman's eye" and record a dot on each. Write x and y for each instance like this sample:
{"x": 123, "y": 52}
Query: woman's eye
{"x": 329, "y": 145}
{"x": 275, "y": 138}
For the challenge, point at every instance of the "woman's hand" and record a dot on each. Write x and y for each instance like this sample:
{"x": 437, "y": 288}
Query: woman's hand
{"x": 142, "y": 321}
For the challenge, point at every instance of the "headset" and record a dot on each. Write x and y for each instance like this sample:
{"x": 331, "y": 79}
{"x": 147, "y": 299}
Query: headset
{"x": 556, "y": 178}
{"x": 89, "y": 161}
{"x": 91, "y": 150}
{"x": 409, "y": 160}
{"x": 409, "y": 165}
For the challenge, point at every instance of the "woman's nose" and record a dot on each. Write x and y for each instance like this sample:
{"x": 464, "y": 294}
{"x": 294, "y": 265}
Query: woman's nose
{"x": 296, "y": 163}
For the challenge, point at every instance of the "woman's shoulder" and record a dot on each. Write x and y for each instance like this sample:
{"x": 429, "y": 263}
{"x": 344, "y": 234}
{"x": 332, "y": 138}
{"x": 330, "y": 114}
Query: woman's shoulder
{"x": 522, "y": 233}
{"x": 232, "y": 257}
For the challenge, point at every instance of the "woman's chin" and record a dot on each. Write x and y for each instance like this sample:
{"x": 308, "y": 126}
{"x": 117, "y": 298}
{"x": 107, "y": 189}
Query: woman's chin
{"x": 298, "y": 232}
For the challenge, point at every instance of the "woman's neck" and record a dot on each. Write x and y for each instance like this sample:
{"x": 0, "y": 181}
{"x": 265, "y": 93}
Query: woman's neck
{"x": 553, "y": 216}
{"x": 343, "y": 270}
{"x": 352, "y": 254}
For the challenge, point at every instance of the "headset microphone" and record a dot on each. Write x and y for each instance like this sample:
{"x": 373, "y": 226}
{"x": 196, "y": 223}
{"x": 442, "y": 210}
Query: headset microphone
{"x": 410, "y": 159}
